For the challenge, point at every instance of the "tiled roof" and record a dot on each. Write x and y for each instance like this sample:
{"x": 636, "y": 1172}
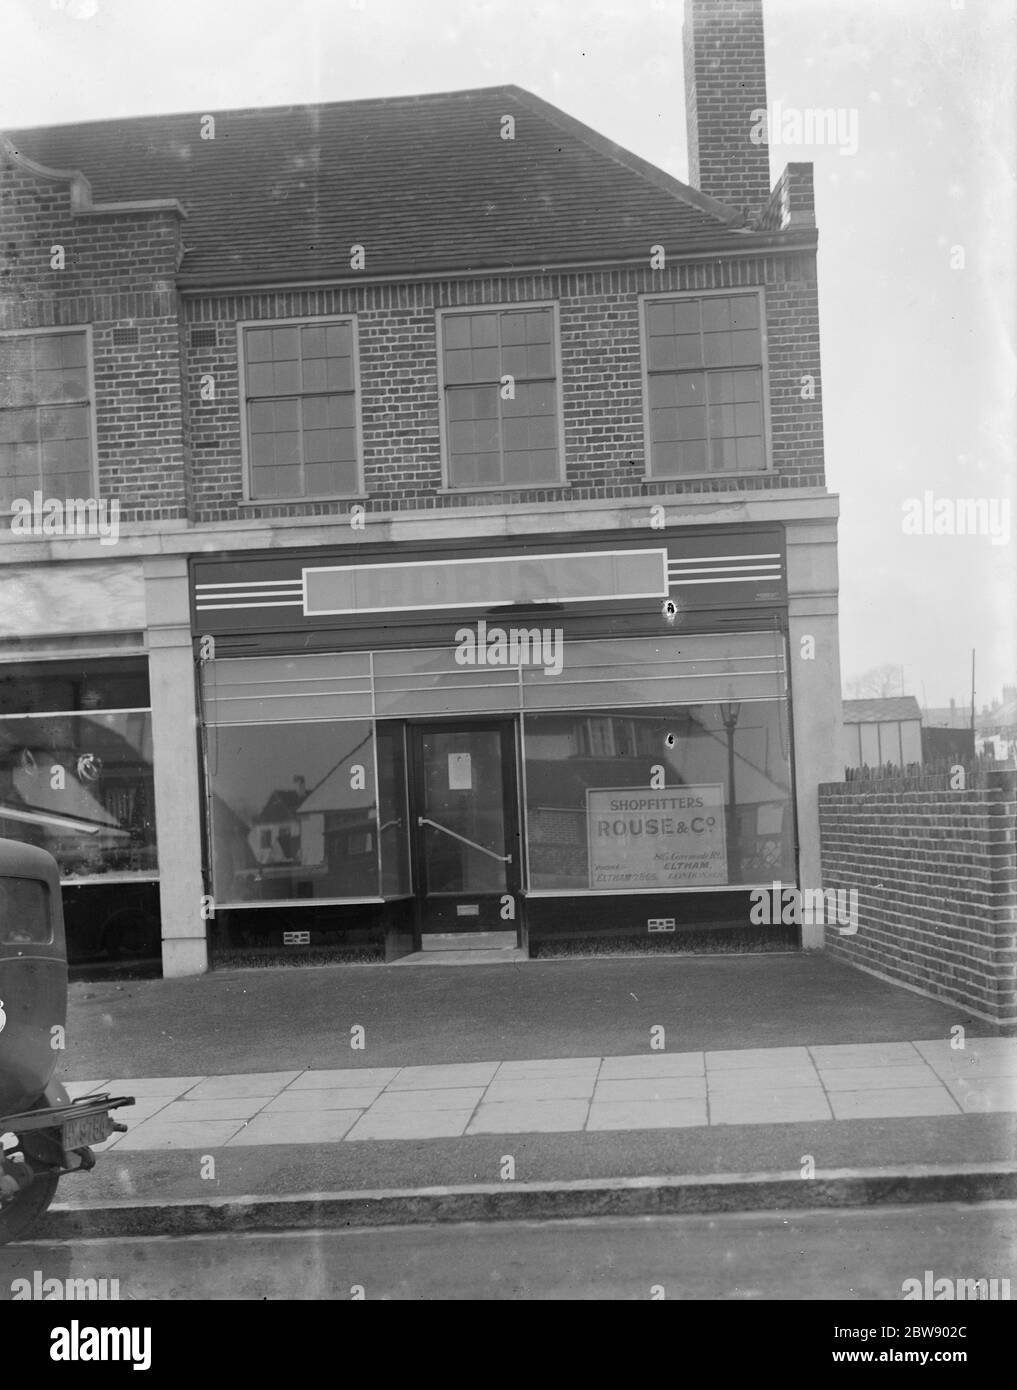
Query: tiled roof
{"x": 424, "y": 183}
{"x": 881, "y": 711}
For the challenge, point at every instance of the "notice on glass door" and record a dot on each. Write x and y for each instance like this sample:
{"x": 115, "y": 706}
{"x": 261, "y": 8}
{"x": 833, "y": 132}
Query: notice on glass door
{"x": 460, "y": 772}
{"x": 656, "y": 839}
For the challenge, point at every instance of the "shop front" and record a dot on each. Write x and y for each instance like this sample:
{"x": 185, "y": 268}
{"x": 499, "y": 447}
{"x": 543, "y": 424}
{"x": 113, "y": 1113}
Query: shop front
{"x": 77, "y": 779}
{"x": 518, "y": 739}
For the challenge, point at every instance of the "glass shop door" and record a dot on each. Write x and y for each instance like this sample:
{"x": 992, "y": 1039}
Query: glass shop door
{"x": 464, "y": 823}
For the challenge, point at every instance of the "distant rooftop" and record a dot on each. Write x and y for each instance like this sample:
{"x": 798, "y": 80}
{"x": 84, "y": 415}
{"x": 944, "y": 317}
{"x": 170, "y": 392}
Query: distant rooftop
{"x": 947, "y": 717}
{"x": 881, "y": 711}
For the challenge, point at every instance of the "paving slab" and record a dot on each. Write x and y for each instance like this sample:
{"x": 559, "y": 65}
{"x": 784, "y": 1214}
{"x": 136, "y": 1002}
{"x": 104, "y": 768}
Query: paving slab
{"x": 727, "y": 1079}
{"x": 143, "y": 1087}
{"x": 202, "y": 1134}
{"x": 774, "y": 1107}
{"x": 577, "y": 1087}
{"x": 979, "y": 1046}
{"x": 758, "y": 1057}
{"x": 132, "y": 1116}
{"x": 351, "y": 1078}
{"x": 642, "y": 1088}
{"x": 877, "y": 1078}
{"x": 260, "y": 1083}
{"x": 548, "y": 1067}
{"x": 653, "y": 1064}
{"x": 432, "y": 1078}
{"x": 912, "y": 1100}
{"x": 529, "y": 1117}
{"x": 866, "y": 1055}
{"x": 412, "y": 1124}
{"x": 445, "y": 1098}
{"x": 358, "y": 1098}
{"x": 224, "y": 1108}
{"x": 988, "y": 1093}
{"x": 297, "y": 1126}
{"x": 971, "y": 1062}
{"x": 646, "y": 1114}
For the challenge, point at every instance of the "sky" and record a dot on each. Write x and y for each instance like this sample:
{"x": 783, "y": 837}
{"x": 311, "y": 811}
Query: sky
{"x": 916, "y": 206}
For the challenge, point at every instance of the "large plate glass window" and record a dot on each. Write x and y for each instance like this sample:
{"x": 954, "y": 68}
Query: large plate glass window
{"x": 301, "y": 409}
{"x": 45, "y": 416}
{"x": 602, "y": 819}
{"x": 76, "y": 766}
{"x": 501, "y": 397}
{"x": 705, "y": 385}
{"x": 294, "y": 811}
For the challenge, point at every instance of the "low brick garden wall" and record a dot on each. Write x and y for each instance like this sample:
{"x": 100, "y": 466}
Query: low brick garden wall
{"x": 936, "y": 874}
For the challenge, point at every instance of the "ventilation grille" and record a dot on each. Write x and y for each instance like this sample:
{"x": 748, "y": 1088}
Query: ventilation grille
{"x": 204, "y": 337}
{"x": 125, "y": 337}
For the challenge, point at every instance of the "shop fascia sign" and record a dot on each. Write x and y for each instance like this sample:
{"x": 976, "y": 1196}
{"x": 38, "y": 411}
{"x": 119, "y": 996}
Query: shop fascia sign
{"x": 481, "y": 645}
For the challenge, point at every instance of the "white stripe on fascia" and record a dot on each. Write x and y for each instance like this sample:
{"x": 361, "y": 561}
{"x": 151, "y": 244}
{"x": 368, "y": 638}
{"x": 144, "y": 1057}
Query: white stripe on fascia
{"x": 728, "y": 569}
{"x": 735, "y": 579}
{"x": 221, "y": 607}
{"x": 248, "y": 584}
{"x": 710, "y": 559}
{"x": 243, "y": 594}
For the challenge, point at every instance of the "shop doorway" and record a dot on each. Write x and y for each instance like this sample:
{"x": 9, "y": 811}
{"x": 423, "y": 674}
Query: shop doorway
{"x": 464, "y": 822}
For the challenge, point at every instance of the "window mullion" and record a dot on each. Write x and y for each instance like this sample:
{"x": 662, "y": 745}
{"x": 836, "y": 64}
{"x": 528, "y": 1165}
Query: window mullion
{"x": 40, "y": 467}
{"x": 497, "y": 396}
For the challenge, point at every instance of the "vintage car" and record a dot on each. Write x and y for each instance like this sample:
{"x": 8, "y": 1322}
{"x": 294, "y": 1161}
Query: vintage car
{"x": 43, "y": 1133}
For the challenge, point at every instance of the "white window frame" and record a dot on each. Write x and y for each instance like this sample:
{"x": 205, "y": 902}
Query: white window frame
{"x": 302, "y": 321}
{"x": 447, "y": 486}
{"x": 644, "y": 357}
{"x": 93, "y": 433}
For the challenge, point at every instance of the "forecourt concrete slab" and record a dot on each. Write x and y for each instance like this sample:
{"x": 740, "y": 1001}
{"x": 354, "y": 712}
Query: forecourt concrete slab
{"x": 653, "y": 1091}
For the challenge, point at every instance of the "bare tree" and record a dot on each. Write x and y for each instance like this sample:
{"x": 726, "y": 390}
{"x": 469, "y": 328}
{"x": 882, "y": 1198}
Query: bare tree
{"x": 877, "y": 683}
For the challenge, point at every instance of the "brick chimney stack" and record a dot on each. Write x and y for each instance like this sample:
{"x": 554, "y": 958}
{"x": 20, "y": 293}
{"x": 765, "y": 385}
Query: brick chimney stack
{"x": 725, "y": 81}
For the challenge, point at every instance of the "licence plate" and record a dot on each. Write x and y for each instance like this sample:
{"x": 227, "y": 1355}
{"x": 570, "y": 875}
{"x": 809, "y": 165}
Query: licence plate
{"x": 86, "y": 1130}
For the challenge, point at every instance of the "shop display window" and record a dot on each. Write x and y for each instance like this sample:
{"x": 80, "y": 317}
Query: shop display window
{"x": 696, "y": 796}
{"x": 76, "y": 765}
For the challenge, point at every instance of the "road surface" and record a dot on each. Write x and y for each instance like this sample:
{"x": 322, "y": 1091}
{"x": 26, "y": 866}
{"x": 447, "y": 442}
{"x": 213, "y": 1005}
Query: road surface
{"x": 837, "y": 1255}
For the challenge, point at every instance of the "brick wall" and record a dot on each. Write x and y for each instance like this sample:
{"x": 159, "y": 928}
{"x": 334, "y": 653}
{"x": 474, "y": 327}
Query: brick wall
{"x": 601, "y": 383}
{"x": 936, "y": 875}
{"x": 166, "y": 453}
{"x": 119, "y": 272}
{"x": 793, "y": 200}
{"x": 725, "y": 81}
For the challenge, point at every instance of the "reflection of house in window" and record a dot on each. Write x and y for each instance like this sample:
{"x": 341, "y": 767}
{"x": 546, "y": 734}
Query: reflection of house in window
{"x": 624, "y": 736}
{"x": 275, "y": 835}
{"x": 338, "y": 820}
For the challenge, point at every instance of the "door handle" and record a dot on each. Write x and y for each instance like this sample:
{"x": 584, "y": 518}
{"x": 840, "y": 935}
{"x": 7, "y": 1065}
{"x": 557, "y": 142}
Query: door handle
{"x": 501, "y": 858}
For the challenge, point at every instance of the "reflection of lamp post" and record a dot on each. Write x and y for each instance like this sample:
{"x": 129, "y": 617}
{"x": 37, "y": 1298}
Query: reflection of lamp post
{"x": 729, "y": 714}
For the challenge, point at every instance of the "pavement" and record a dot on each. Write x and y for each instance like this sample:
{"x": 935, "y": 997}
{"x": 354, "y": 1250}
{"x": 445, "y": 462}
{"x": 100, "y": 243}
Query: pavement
{"x": 724, "y": 1080}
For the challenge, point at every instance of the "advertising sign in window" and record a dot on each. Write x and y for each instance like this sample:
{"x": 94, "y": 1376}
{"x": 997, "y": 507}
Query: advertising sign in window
{"x": 656, "y": 839}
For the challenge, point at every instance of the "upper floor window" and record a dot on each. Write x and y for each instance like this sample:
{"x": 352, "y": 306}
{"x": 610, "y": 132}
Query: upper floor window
{"x": 300, "y": 389}
{"x": 45, "y": 416}
{"x": 705, "y": 385}
{"x": 500, "y": 387}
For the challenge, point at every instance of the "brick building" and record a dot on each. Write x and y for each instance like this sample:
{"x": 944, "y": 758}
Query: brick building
{"x": 474, "y": 571}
